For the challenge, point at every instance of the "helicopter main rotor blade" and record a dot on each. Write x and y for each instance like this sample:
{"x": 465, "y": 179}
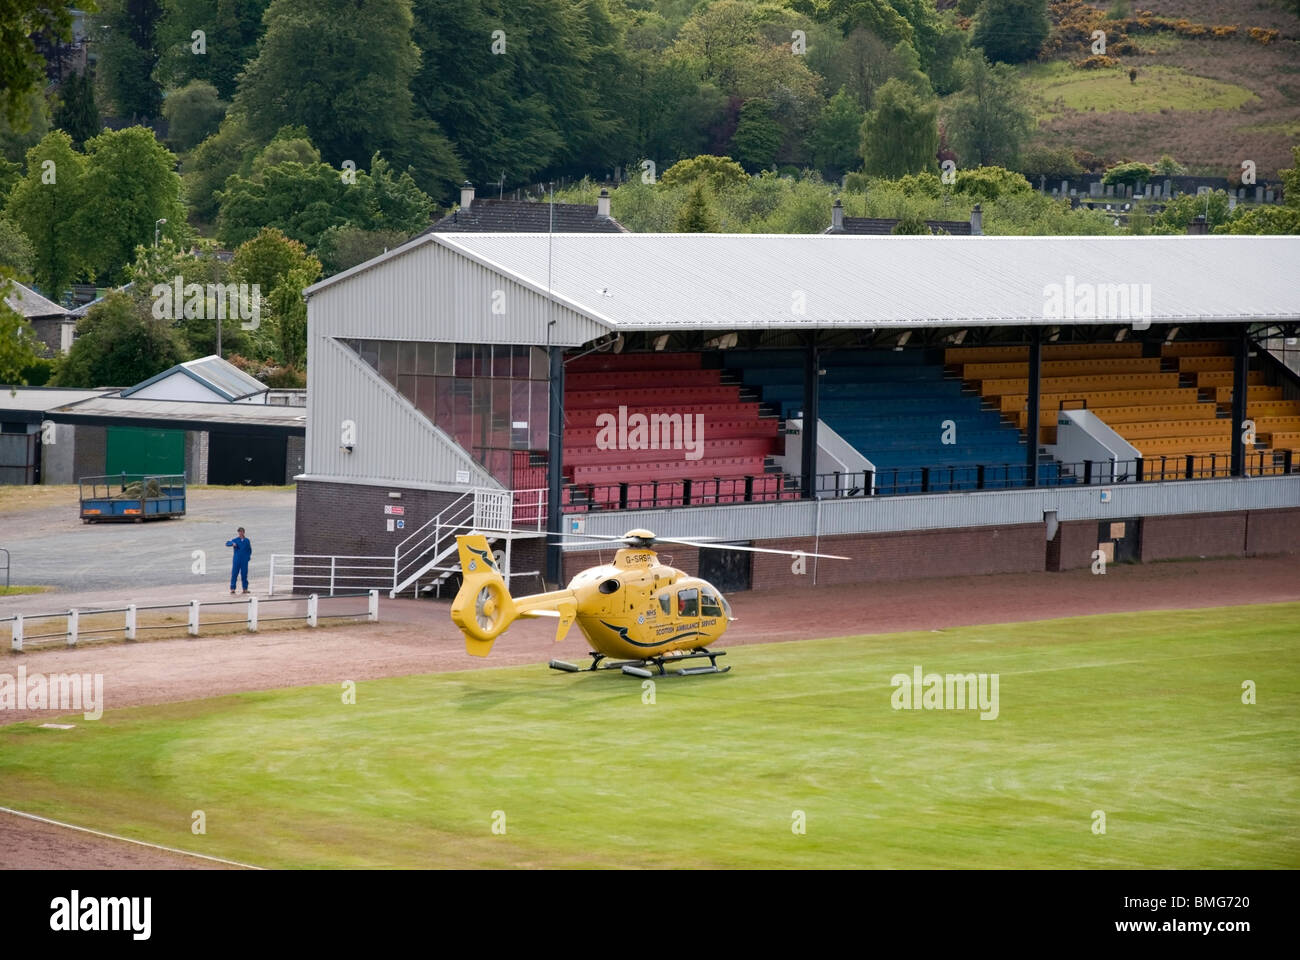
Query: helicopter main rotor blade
{"x": 607, "y": 537}
{"x": 728, "y": 546}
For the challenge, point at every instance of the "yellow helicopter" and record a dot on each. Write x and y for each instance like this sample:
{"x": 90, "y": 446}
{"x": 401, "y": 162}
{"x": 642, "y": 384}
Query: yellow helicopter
{"x": 636, "y": 613}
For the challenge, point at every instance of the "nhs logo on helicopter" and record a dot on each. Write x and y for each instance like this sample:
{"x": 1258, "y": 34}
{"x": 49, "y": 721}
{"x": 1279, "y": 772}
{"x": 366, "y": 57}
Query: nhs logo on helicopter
{"x": 658, "y": 431}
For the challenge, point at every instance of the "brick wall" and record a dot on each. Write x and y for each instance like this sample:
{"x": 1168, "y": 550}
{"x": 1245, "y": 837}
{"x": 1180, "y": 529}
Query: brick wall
{"x": 345, "y": 519}
{"x": 1272, "y": 531}
{"x": 349, "y": 519}
{"x": 1074, "y": 545}
{"x": 1194, "y": 535}
{"x": 910, "y": 555}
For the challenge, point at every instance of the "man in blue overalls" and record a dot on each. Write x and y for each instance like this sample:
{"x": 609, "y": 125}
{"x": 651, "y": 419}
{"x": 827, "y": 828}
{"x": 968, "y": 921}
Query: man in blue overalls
{"x": 239, "y": 568}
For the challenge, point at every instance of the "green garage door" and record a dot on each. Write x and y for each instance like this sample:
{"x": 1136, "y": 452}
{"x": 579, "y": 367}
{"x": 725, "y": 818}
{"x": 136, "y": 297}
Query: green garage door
{"x": 136, "y": 450}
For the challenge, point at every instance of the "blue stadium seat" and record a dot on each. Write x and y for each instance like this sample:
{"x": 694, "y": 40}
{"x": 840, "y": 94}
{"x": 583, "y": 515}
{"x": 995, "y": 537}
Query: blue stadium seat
{"x": 893, "y": 406}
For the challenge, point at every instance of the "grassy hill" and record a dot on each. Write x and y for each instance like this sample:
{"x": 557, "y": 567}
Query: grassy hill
{"x": 1210, "y": 102}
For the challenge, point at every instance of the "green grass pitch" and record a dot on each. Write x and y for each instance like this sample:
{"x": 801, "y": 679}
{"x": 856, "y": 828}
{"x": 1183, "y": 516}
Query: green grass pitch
{"x": 1137, "y": 715}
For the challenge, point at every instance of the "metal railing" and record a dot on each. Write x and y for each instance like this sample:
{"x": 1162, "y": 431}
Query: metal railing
{"x": 651, "y": 494}
{"x": 75, "y": 629}
{"x": 483, "y": 509}
{"x": 901, "y": 481}
{"x": 328, "y": 573}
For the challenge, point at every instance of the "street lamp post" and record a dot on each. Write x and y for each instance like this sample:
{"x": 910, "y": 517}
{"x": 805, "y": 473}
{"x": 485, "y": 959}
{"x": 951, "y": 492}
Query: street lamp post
{"x": 156, "y": 225}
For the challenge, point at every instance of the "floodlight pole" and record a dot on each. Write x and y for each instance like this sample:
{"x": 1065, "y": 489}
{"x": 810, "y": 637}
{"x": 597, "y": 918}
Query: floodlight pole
{"x": 555, "y": 438}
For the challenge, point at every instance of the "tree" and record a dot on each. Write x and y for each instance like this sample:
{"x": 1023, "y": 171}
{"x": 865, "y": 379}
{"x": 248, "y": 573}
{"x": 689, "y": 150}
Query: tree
{"x": 1167, "y": 166}
{"x": 345, "y": 246}
{"x": 44, "y": 204}
{"x": 901, "y": 135}
{"x": 757, "y": 136}
{"x": 168, "y": 264}
{"x": 951, "y": 47}
{"x": 130, "y": 184}
{"x": 230, "y": 34}
{"x": 269, "y": 257}
{"x": 290, "y": 311}
{"x": 1052, "y": 162}
{"x": 16, "y": 251}
{"x": 1260, "y": 220}
{"x": 212, "y": 162}
{"x": 1181, "y": 211}
{"x": 356, "y": 99}
{"x": 1011, "y": 31}
{"x": 282, "y": 269}
{"x": 717, "y": 172}
{"x": 698, "y": 214}
{"x": 835, "y": 140}
{"x": 392, "y": 200}
{"x": 22, "y": 69}
{"x": 911, "y": 225}
{"x": 193, "y": 113}
{"x": 19, "y": 137}
{"x": 990, "y": 183}
{"x": 1129, "y": 174}
{"x": 1291, "y": 180}
{"x": 304, "y": 200}
{"x": 915, "y": 21}
{"x": 77, "y": 113}
{"x": 128, "y": 56}
{"x": 119, "y": 343}
{"x": 546, "y": 90}
{"x": 669, "y": 111}
{"x": 17, "y": 342}
{"x": 989, "y": 120}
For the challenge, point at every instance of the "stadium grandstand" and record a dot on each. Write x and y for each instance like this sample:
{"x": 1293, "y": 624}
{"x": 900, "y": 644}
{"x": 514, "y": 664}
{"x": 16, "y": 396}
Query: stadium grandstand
{"x": 965, "y": 404}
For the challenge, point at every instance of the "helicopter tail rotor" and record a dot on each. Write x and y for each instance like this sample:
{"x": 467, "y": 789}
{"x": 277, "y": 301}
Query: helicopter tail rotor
{"x": 483, "y": 607}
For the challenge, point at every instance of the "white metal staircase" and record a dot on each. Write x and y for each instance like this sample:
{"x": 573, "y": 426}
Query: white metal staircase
{"x": 429, "y": 553}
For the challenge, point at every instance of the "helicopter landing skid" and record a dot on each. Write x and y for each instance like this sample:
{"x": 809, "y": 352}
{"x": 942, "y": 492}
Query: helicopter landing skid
{"x": 643, "y": 668}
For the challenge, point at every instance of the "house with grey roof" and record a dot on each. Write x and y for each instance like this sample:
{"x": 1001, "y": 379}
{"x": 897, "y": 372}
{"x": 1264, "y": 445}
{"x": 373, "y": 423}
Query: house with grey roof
{"x": 881, "y": 226}
{"x": 481, "y": 215}
{"x": 53, "y": 325}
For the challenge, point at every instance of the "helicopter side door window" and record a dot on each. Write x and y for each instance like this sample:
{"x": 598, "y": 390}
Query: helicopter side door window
{"x": 688, "y": 603}
{"x": 709, "y": 606}
{"x": 666, "y": 603}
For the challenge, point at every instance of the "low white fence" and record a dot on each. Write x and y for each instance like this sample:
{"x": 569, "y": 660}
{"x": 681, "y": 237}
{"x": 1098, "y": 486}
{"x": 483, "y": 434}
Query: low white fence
{"x": 130, "y": 627}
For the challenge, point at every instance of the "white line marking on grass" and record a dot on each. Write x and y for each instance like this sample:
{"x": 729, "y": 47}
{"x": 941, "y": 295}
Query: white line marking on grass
{"x": 113, "y": 836}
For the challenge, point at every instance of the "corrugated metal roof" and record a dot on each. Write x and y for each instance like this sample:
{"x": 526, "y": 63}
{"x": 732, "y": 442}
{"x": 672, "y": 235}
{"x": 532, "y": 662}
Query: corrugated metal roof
{"x": 292, "y": 419}
{"x": 225, "y": 375}
{"x": 728, "y": 281}
{"x": 220, "y": 376}
{"x": 35, "y": 399}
